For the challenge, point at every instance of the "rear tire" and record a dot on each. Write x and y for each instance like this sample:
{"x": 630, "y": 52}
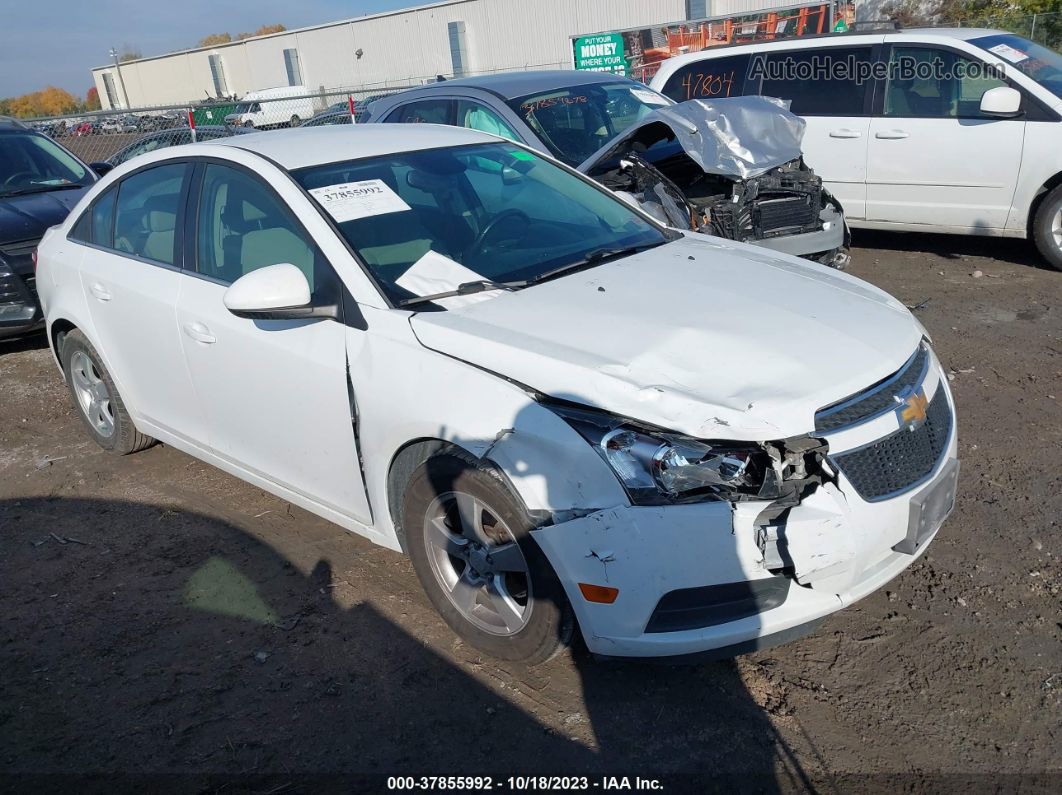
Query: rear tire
{"x": 96, "y": 398}
{"x": 470, "y": 543}
{"x": 295, "y": 120}
{"x": 1047, "y": 228}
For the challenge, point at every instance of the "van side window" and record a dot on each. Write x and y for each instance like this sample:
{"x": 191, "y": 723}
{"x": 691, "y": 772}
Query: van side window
{"x": 819, "y": 82}
{"x": 710, "y": 78}
{"x": 930, "y": 83}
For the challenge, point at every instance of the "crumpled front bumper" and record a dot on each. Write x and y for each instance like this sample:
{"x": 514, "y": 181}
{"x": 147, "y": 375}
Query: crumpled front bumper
{"x": 828, "y": 239}
{"x": 840, "y": 549}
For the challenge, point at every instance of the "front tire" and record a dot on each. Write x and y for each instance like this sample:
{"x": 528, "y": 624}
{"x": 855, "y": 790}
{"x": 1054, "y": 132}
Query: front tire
{"x": 96, "y": 398}
{"x": 470, "y": 543}
{"x": 1047, "y": 228}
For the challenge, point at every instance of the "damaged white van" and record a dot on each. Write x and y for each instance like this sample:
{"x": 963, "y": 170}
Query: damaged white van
{"x": 568, "y": 415}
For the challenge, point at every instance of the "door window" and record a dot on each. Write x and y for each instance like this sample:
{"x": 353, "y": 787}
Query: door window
{"x": 475, "y": 116}
{"x": 427, "y": 111}
{"x": 821, "y": 82}
{"x": 244, "y": 226}
{"x": 930, "y": 83}
{"x": 145, "y": 217}
{"x": 103, "y": 219}
{"x": 711, "y": 78}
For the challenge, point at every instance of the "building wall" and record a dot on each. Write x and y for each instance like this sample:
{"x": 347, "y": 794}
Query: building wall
{"x": 398, "y": 48}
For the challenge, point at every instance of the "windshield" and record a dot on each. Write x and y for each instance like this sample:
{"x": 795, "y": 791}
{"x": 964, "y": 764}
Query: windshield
{"x": 31, "y": 163}
{"x": 246, "y": 107}
{"x": 493, "y": 211}
{"x": 575, "y": 122}
{"x": 1041, "y": 64}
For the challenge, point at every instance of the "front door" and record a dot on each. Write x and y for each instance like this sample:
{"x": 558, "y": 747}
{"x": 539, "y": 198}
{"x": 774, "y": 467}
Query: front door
{"x": 933, "y": 158}
{"x": 275, "y": 392}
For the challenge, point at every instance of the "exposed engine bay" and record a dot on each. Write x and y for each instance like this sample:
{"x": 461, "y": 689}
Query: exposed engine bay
{"x": 733, "y": 172}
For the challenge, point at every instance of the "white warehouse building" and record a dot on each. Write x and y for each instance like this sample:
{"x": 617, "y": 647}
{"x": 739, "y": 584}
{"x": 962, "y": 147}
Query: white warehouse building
{"x": 397, "y": 48}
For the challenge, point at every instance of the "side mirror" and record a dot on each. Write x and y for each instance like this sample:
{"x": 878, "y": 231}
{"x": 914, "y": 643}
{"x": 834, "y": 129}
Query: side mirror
{"x": 275, "y": 292}
{"x": 101, "y": 168}
{"x": 1001, "y": 101}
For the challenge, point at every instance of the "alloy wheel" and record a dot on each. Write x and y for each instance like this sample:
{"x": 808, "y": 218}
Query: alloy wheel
{"x": 477, "y": 562}
{"x": 92, "y": 394}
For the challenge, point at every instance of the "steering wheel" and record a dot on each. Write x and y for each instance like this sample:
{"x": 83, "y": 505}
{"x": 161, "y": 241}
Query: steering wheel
{"x": 512, "y": 213}
{"x": 11, "y": 179}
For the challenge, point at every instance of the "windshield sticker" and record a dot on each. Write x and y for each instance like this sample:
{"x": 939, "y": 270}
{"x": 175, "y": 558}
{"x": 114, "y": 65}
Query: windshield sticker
{"x": 349, "y": 201}
{"x": 1008, "y": 53}
{"x": 648, "y": 97}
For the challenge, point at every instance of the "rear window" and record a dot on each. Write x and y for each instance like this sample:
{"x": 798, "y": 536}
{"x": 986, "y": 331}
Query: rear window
{"x": 710, "y": 78}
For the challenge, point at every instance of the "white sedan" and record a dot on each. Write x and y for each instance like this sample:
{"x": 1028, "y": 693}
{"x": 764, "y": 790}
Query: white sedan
{"x": 566, "y": 414}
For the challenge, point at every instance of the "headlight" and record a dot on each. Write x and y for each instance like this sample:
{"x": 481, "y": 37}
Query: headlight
{"x": 658, "y": 467}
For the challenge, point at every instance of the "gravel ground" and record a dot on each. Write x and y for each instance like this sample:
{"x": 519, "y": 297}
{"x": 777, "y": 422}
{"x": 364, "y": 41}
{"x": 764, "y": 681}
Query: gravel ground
{"x": 159, "y": 616}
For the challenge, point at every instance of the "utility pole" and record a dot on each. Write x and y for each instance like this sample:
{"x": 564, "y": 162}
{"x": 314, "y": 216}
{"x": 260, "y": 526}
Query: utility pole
{"x": 121, "y": 80}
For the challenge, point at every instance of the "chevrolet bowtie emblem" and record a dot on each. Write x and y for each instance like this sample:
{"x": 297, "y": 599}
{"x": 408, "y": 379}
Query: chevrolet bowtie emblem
{"x": 912, "y": 410}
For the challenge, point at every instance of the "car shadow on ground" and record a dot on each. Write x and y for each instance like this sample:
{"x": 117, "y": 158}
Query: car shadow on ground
{"x": 31, "y": 342}
{"x": 952, "y": 247}
{"x": 142, "y": 640}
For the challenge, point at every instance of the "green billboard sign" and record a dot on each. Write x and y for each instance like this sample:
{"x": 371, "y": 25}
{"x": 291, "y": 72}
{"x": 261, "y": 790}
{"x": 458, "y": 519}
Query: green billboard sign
{"x": 602, "y": 52}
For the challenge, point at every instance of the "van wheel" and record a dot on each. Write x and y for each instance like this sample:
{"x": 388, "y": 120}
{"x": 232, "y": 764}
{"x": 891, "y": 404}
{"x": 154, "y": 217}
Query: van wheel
{"x": 249, "y": 124}
{"x": 470, "y": 543}
{"x": 1047, "y": 228}
{"x": 295, "y": 120}
{"x": 97, "y": 400}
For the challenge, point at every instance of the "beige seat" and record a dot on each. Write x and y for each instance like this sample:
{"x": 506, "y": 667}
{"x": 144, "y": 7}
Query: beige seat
{"x": 262, "y": 247}
{"x": 158, "y": 244}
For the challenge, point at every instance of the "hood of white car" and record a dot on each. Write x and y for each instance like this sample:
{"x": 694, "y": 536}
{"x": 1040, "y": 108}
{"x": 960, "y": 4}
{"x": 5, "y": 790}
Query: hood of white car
{"x": 700, "y": 336}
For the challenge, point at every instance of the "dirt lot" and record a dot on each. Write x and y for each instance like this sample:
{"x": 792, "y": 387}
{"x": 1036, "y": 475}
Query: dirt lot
{"x": 158, "y": 616}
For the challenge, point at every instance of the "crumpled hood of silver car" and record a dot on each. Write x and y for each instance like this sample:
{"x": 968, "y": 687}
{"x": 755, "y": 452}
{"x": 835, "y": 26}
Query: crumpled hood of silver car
{"x": 735, "y": 137}
{"x": 712, "y": 339}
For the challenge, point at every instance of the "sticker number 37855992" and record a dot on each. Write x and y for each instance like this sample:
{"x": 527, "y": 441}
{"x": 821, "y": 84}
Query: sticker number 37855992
{"x": 349, "y": 201}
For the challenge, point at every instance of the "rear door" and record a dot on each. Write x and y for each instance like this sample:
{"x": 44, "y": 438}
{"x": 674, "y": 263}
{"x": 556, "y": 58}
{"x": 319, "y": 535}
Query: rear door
{"x": 933, "y": 157}
{"x": 131, "y": 275}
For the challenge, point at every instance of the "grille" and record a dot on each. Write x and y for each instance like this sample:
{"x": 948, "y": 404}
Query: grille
{"x": 901, "y": 460}
{"x": 776, "y": 214}
{"x": 11, "y": 289}
{"x": 875, "y": 401}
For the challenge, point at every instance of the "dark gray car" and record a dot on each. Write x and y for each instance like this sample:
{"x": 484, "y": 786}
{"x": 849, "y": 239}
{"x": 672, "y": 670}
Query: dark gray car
{"x": 626, "y": 136}
{"x": 172, "y": 137}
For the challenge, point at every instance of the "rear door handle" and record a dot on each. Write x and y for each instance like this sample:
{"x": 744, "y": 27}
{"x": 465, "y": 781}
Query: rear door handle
{"x": 199, "y": 333}
{"x": 843, "y": 133}
{"x": 891, "y": 135}
{"x": 99, "y": 291}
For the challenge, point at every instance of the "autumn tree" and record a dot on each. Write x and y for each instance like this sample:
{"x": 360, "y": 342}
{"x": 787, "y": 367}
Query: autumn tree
{"x": 51, "y": 101}
{"x": 214, "y": 39}
{"x": 92, "y": 99}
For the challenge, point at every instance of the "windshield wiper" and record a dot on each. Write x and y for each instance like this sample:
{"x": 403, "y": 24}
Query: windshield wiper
{"x": 41, "y": 189}
{"x": 595, "y": 257}
{"x": 465, "y": 288}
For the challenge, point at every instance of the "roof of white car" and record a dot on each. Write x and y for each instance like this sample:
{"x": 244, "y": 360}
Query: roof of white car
{"x": 954, "y": 33}
{"x": 311, "y": 146}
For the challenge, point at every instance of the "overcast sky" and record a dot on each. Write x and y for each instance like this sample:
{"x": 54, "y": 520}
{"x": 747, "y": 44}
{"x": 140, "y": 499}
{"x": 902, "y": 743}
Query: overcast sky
{"x": 57, "y": 42}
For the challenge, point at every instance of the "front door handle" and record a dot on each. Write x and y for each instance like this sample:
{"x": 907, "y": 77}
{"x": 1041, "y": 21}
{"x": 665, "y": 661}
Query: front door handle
{"x": 99, "y": 291}
{"x": 843, "y": 133}
{"x": 891, "y": 135}
{"x": 199, "y": 333}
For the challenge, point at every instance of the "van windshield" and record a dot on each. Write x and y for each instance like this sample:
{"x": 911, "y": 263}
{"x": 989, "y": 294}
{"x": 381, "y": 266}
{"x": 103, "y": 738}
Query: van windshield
{"x": 247, "y": 107}
{"x": 486, "y": 211}
{"x": 1041, "y": 64}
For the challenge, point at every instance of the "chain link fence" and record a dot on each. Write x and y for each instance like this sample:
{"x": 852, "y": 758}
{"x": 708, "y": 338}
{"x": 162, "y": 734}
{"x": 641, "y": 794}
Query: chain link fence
{"x": 116, "y": 136}
{"x": 1045, "y": 29}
